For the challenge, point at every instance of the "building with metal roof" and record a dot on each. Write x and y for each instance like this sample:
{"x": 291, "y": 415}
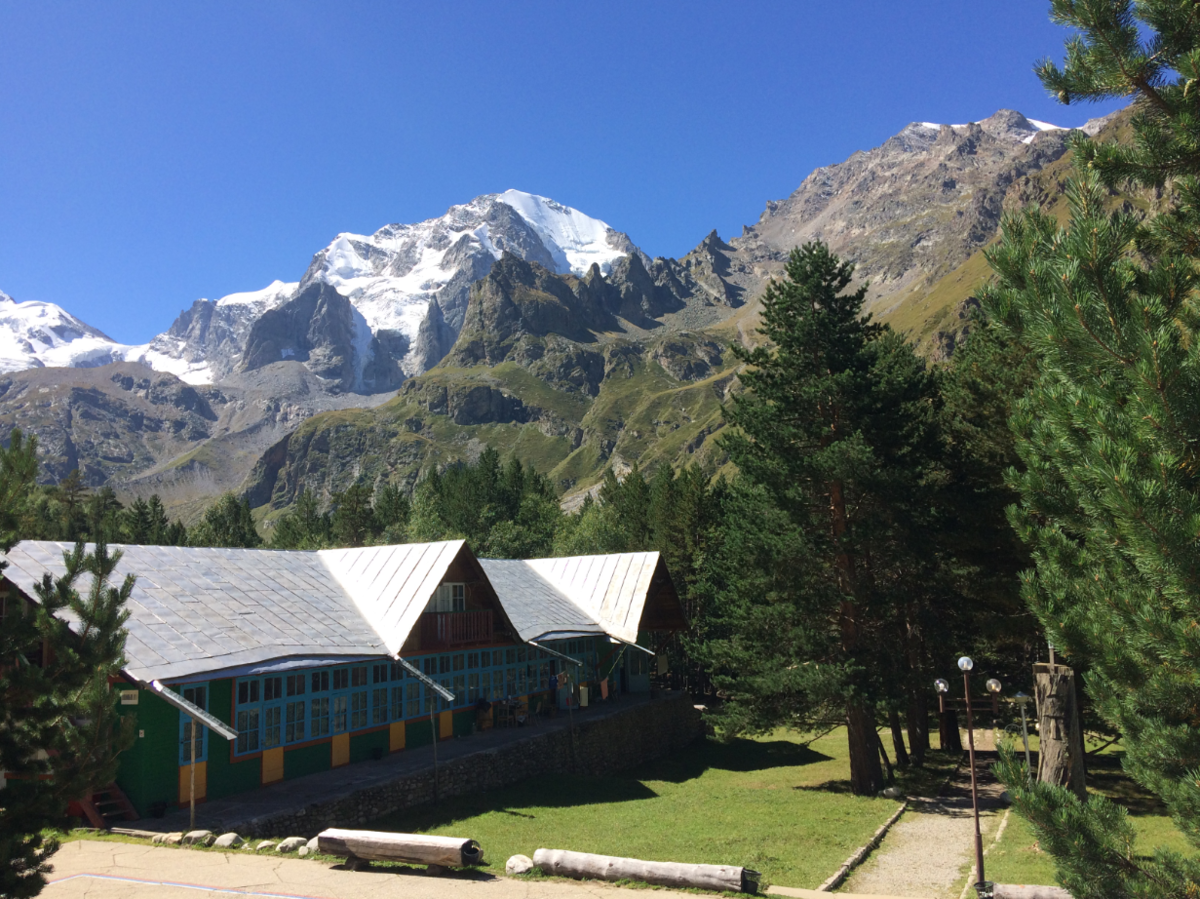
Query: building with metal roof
{"x": 298, "y": 661}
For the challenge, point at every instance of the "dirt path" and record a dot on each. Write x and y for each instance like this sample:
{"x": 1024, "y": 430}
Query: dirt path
{"x": 930, "y": 849}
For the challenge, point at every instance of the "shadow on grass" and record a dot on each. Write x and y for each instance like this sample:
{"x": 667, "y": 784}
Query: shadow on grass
{"x": 829, "y": 786}
{"x": 739, "y": 755}
{"x": 522, "y": 800}
{"x": 1107, "y": 777}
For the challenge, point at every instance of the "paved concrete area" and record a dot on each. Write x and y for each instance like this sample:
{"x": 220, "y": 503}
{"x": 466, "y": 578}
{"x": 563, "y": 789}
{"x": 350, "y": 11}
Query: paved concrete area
{"x": 226, "y": 813}
{"x": 929, "y": 850}
{"x": 92, "y": 869}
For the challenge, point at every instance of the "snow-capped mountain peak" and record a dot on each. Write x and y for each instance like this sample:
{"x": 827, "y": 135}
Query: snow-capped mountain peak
{"x": 35, "y": 334}
{"x": 392, "y": 276}
{"x": 407, "y": 284}
{"x": 574, "y": 240}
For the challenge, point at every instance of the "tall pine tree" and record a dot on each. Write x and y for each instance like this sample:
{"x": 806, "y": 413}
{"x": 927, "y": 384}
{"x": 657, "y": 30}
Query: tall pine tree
{"x": 836, "y": 426}
{"x": 1109, "y": 499}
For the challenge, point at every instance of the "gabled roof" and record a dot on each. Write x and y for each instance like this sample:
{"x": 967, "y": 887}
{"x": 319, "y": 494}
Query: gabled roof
{"x": 204, "y": 611}
{"x": 536, "y": 607}
{"x": 391, "y": 585}
{"x": 612, "y": 589}
{"x": 196, "y": 610}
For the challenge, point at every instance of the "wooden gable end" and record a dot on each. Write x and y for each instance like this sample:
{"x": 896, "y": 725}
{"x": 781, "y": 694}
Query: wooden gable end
{"x": 663, "y": 611}
{"x": 483, "y": 622}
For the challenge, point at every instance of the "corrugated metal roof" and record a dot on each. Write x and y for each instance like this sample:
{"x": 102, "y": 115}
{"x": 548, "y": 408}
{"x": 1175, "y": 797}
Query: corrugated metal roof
{"x": 610, "y": 589}
{"x": 196, "y": 610}
{"x": 391, "y": 585}
{"x": 534, "y": 605}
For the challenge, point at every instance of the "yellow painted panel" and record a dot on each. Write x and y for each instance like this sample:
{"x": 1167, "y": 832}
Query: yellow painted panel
{"x": 341, "y": 749}
{"x": 396, "y": 736}
{"x": 272, "y": 765}
{"x": 185, "y": 782}
{"x": 446, "y": 725}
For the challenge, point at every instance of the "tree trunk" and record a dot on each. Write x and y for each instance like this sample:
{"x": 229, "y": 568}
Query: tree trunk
{"x": 898, "y": 739}
{"x": 918, "y": 727}
{"x": 1060, "y": 756}
{"x": 951, "y": 738}
{"x": 866, "y": 774}
{"x": 887, "y": 763}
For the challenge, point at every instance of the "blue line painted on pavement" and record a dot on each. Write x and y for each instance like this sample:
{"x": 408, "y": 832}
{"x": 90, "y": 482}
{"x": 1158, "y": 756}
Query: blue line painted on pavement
{"x": 185, "y": 886}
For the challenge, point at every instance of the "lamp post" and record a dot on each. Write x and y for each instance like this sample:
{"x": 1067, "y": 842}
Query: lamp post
{"x": 1022, "y": 701}
{"x": 984, "y": 888}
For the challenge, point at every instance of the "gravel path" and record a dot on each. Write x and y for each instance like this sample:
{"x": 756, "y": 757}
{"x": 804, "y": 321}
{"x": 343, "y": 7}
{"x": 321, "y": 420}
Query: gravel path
{"x": 928, "y": 852}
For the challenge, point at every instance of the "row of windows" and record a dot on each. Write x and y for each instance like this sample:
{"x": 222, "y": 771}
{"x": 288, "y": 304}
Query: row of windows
{"x": 277, "y": 710}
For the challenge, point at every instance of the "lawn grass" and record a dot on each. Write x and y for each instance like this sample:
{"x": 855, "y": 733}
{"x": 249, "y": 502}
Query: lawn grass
{"x": 1018, "y": 859}
{"x": 777, "y": 805}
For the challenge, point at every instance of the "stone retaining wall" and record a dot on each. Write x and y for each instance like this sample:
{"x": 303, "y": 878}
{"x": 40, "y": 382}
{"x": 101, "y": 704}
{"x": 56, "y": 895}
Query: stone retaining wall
{"x": 600, "y": 746}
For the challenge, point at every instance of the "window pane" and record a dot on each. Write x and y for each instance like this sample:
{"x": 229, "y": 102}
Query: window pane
{"x": 459, "y": 662}
{"x": 272, "y": 688}
{"x": 460, "y": 688}
{"x": 472, "y": 660}
{"x": 472, "y": 687}
{"x": 271, "y": 727}
{"x": 443, "y": 664}
{"x": 339, "y": 714}
{"x": 413, "y": 694}
{"x": 358, "y": 677}
{"x": 295, "y": 720}
{"x": 397, "y": 703}
{"x": 379, "y": 706}
{"x": 247, "y": 728}
{"x": 358, "y": 710}
{"x": 320, "y": 718}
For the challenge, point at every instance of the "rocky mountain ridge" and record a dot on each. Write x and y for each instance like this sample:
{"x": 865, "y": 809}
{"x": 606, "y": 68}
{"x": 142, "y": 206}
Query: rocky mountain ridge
{"x": 513, "y": 316}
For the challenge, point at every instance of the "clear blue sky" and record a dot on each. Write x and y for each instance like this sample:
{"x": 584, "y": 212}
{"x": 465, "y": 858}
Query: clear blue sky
{"x": 152, "y": 153}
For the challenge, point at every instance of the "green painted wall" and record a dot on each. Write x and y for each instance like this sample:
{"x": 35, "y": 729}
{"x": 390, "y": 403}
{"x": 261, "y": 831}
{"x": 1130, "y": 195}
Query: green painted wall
{"x": 464, "y": 723}
{"x": 226, "y": 777}
{"x": 363, "y": 745}
{"x": 417, "y": 733}
{"x": 308, "y": 760}
{"x": 149, "y": 771}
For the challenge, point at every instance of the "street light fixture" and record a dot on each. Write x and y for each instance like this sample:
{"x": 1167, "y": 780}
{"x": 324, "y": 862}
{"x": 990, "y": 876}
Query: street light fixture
{"x": 984, "y": 888}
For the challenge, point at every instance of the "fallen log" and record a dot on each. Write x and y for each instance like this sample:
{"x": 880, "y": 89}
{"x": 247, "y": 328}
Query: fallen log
{"x": 1012, "y": 891}
{"x": 668, "y": 874}
{"x": 421, "y": 849}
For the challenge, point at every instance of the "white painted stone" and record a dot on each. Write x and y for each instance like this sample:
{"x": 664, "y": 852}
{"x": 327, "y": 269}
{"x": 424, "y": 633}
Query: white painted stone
{"x": 892, "y": 793}
{"x": 304, "y": 852}
{"x": 518, "y": 864}
{"x": 312, "y": 845}
{"x": 228, "y": 841}
{"x": 291, "y": 844}
{"x": 265, "y": 844}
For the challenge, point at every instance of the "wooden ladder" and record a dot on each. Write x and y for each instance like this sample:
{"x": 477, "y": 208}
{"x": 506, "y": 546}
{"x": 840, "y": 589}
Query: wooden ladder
{"x": 106, "y": 806}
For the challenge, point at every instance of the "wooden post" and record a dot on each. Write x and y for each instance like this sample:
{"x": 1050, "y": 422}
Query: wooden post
{"x": 1060, "y": 754}
{"x": 192, "y": 787}
{"x": 433, "y": 728}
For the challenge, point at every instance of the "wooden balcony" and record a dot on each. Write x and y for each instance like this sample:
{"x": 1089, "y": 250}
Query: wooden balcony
{"x": 443, "y": 630}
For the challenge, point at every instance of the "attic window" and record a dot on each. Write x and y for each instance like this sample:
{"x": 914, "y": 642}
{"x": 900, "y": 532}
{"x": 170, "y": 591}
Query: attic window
{"x": 449, "y": 598}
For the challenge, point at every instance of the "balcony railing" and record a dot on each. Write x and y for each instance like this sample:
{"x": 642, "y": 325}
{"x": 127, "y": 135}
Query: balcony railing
{"x": 447, "y": 629}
